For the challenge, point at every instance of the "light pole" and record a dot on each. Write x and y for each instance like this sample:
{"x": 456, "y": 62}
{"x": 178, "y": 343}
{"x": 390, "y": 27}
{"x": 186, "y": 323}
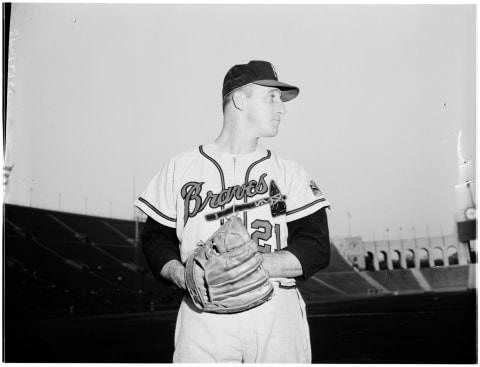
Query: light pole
{"x": 349, "y": 224}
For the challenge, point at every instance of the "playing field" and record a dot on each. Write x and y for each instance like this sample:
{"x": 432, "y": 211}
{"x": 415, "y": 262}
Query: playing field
{"x": 428, "y": 328}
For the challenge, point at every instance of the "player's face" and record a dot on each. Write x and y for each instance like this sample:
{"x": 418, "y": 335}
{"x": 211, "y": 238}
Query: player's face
{"x": 265, "y": 109}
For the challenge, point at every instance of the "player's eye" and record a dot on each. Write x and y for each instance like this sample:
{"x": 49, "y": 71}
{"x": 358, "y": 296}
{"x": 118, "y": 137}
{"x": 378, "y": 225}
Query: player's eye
{"x": 274, "y": 95}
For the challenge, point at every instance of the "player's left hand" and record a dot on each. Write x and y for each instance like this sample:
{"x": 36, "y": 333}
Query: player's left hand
{"x": 225, "y": 274}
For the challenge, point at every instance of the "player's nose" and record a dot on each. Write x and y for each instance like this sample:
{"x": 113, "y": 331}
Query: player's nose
{"x": 280, "y": 108}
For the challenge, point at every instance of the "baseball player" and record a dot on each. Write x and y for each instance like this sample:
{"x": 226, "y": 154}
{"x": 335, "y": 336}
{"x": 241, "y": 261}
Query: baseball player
{"x": 280, "y": 205}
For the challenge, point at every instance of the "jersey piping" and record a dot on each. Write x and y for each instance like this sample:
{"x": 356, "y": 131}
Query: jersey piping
{"x": 305, "y": 206}
{"x": 220, "y": 171}
{"x": 247, "y": 174}
{"x": 156, "y": 210}
{"x": 215, "y": 163}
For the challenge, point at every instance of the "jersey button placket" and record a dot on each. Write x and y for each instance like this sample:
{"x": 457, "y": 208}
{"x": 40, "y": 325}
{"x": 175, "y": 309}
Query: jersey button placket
{"x": 234, "y": 180}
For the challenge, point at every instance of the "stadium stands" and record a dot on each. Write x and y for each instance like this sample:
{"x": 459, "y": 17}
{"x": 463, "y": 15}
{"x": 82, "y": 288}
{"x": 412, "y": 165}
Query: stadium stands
{"x": 346, "y": 282}
{"x": 64, "y": 263}
{"x": 397, "y": 280}
{"x": 93, "y": 229}
{"x": 59, "y": 264}
{"x": 450, "y": 278}
{"x": 337, "y": 262}
{"x": 35, "y": 222}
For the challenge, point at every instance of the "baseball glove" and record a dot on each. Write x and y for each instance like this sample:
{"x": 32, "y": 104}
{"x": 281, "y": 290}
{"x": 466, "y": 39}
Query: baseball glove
{"x": 225, "y": 273}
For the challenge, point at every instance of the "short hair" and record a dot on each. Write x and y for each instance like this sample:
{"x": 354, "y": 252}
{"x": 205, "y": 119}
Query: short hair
{"x": 247, "y": 89}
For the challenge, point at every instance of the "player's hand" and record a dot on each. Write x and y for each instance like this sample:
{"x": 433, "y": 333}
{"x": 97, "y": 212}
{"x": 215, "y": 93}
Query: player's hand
{"x": 175, "y": 272}
{"x": 282, "y": 264}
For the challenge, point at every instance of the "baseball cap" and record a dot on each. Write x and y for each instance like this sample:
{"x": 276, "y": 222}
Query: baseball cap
{"x": 257, "y": 72}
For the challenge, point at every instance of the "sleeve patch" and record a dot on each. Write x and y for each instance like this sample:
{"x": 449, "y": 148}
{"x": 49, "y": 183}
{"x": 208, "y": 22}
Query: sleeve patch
{"x": 316, "y": 191}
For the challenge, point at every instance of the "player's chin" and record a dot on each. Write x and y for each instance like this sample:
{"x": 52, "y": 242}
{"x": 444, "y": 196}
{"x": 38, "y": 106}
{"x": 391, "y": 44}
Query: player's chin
{"x": 275, "y": 126}
{"x": 271, "y": 133}
{"x": 271, "y": 130}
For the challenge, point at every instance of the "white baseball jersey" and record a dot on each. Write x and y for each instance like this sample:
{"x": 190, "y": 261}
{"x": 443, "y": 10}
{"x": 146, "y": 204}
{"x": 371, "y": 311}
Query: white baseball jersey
{"x": 265, "y": 190}
{"x": 194, "y": 193}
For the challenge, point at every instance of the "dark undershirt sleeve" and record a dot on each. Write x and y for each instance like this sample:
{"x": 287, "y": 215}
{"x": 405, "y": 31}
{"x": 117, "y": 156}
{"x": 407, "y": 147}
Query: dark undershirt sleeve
{"x": 309, "y": 241}
{"x": 159, "y": 245}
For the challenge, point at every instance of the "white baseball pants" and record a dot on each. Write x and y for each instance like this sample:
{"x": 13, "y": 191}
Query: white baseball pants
{"x": 275, "y": 332}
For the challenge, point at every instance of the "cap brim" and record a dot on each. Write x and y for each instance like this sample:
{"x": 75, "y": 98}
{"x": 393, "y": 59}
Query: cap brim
{"x": 289, "y": 92}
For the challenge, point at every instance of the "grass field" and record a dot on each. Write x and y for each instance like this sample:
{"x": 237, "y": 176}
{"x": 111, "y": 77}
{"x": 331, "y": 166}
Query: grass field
{"x": 426, "y": 328}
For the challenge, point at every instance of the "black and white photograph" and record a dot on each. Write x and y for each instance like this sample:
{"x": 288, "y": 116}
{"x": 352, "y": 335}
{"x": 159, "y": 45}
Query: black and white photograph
{"x": 239, "y": 183}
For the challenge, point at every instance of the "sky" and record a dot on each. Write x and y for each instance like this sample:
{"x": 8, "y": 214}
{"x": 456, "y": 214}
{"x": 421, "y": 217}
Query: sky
{"x": 102, "y": 95}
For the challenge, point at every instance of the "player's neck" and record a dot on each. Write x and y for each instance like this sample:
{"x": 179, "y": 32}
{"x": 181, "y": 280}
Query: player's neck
{"x": 236, "y": 146}
{"x": 234, "y": 141}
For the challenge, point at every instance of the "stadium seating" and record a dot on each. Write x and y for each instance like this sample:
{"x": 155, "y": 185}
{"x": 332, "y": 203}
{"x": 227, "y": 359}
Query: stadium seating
{"x": 94, "y": 229}
{"x": 34, "y": 256}
{"x": 63, "y": 263}
{"x": 337, "y": 262}
{"x": 346, "y": 282}
{"x": 36, "y": 222}
{"x": 447, "y": 278}
{"x": 124, "y": 253}
{"x": 400, "y": 280}
{"x": 60, "y": 264}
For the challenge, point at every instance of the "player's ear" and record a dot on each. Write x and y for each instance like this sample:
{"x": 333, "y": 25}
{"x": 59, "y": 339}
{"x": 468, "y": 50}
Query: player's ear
{"x": 239, "y": 99}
